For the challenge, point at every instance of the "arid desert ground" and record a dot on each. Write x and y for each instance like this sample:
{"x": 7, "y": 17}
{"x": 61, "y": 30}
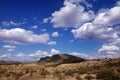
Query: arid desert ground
{"x": 105, "y": 69}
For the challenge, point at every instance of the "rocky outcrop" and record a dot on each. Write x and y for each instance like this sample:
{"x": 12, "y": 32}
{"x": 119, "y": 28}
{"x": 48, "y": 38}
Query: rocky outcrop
{"x": 65, "y": 58}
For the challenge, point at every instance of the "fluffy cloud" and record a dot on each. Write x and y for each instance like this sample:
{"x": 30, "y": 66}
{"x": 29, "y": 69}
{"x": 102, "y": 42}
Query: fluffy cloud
{"x": 105, "y": 17}
{"x": 12, "y": 23}
{"x": 75, "y": 1}
{"x": 87, "y": 25}
{"x": 55, "y": 34}
{"x": 90, "y": 31}
{"x": 116, "y": 42}
{"x": 46, "y": 20}
{"x": 71, "y": 15}
{"x": 20, "y": 55}
{"x": 33, "y": 57}
{"x": 34, "y": 27}
{"x": 22, "y": 36}
{"x": 39, "y": 54}
{"x": 54, "y": 51}
{"x": 4, "y": 23}
{"x": 118, "y": 3}
{"x": 110, "y": 49}
{"x": 81, "y": 1}
{"x": 52, "y": 43}
{"x": 108, "y": 17}
{"x": 43, "y": 30}
{"x": 117, "y": 29}
{"x": 4, "y": 56}
{"x": 101, "y": 29}
{"x": 81, "y": 55}
{"x": 9, "y": 48}
{"x": 71, "y": 41}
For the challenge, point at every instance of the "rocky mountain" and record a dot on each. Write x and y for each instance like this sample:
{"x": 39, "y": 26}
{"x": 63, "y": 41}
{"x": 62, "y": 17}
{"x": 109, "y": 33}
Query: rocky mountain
{"x": 65, "y": 58}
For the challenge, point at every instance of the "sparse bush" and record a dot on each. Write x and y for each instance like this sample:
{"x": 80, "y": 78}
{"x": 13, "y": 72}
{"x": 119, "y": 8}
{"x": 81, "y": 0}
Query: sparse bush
{"x": 108, "y": 75}
{"x": 118, "y": 70}
{"x": 69, "y": 72}
{"x": 58, "y": 74}
{"x": 7, "y": 74}
{"x": 114, "y": 64}
{"x": 31, "y": 71}
{"x": 44, "y": 72}
{"x": 78, "y": 77}
{"x": 2, "y": 71}
{"x": 26, "y": 71}
{"x": 60, "y": 77}
{"x": 89, "y": 77}
{"x": 15, "y": 75}
{"x": 83, "y": 70}
{"x": 96, "y": 67}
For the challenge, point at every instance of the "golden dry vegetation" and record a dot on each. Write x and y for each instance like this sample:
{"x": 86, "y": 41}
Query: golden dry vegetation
{"x": 107, "y": 69}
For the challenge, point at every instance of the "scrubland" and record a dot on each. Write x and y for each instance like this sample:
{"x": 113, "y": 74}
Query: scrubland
{"x": 106, "y": 69}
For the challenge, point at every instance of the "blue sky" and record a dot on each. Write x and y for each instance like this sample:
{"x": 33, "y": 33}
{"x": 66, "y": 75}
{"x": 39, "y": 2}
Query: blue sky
{"x": 33, "y": 29}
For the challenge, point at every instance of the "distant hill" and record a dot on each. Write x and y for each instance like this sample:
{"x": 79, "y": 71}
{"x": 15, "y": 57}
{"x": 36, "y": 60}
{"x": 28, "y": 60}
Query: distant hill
{"x": 65, "y": 58}
{"x": 8, "y": 62}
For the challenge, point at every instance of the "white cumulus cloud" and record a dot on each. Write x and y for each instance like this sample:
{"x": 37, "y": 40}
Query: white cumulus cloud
{"x": 71, "y": 15}
{"x": 108, "y": 17}
{"x": 34, "y": 27}
{"x": 54, "y": 51}
{"x": 4, "y": 56}
{"x": 90, "y": 31}
{"x": 20, "y": 55}
{"x": 109, "y": 49}
{"x": 22, "y": 36}
{"x": 55, "y": 34}
{"x": 101, "y": 28}
{"x": 12, "y": 23}
{"x": 9, "y": 47}
{"x": 44, "y": 30}
{"x": 10, "y": 50}
{"x": 52, "y": 43}
{"x": 39, "y": 54}
{"x": 46, "y": 20}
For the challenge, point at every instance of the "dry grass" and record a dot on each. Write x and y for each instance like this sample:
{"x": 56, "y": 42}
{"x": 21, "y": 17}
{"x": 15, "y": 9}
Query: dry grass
{"x": 88, "y": 70}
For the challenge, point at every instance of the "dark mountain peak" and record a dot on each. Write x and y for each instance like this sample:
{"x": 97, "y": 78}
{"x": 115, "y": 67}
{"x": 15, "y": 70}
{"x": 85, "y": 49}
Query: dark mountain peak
{"x": 65, "y": 58}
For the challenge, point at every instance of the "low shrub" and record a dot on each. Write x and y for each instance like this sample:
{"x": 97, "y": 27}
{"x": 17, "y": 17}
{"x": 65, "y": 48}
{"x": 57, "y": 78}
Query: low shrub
{"x": 108, "y": 75}
{"x": 89, "y": 77}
